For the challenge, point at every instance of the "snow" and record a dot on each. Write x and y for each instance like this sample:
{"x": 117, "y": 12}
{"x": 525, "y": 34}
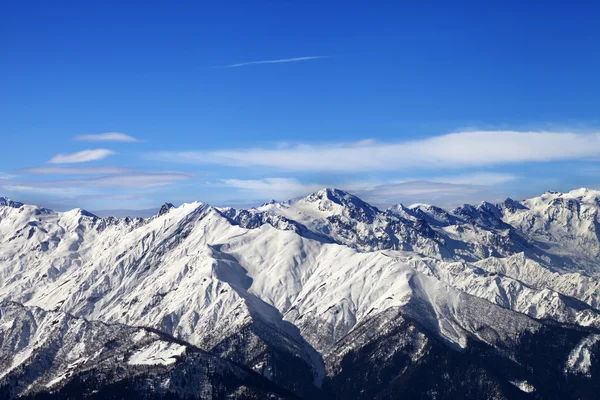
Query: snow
{"x": 328, "y": 260}
{"x": 18, "y": 359}
{"x": 163, "y": 353}
{"x": 56, "y": 380}
{"x": 524, "y": 386}
{"x": 580, "y": 361}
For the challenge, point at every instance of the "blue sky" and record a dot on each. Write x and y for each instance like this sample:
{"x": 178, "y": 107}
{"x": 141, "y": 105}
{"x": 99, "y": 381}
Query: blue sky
{"x": 111, "y": 106}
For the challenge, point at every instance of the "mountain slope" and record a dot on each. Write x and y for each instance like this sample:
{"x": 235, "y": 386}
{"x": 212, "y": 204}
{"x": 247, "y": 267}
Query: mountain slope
{"x": 54, "y": 355}
{"x": 287, "y": 289}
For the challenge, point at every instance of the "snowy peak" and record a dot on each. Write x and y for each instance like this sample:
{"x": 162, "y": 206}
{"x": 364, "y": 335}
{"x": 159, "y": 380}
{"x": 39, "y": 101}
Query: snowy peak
{"x": 337, "y": 201}
{"x": 580, "y": 204}
{"x": 6, "y": 202}
{"x": 511, "y": 205}
{"x": 490, "y": 209}
{"x": 165, "y": 208}
{"x": 269, "y": 203}
{"x": 433, "y": 215}
{"x": 485, "y": 215}
{"x": 78, "y": 212}
{"x": 582, "y": 196}
{"x": 401, "y": 211}
{"x": 467, "y": 211}
{"x": 331, "y": 194}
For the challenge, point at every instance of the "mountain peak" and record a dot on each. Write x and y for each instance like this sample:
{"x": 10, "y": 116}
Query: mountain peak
{"x": 349, "y": 205}
{"x": 512, "y": 205}
{"x": 165, "y": 208}
{"x": 583, "y": 193}
{"x": 336, "y": 196}
{"x": 76, "y": 212}
{"x": 552, "y": 198}
{"x": 400, "y": 208}
{"x": 466, "y": 210}
{"x": 490, "y": 208}
{"x": 332, "y": 193}
{"x": 269, "y": 203}
{"x": 6, "y": 202}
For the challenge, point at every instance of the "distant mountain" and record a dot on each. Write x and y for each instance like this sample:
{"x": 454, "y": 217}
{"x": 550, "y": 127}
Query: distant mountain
{"x": 321, "y": 297}
{"x": 9, "y": 203}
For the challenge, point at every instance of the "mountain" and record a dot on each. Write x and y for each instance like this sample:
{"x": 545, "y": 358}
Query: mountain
{"x": 322, "y": 297}
{"x": 55, "y": 355}
{"x": 5, "y": 202}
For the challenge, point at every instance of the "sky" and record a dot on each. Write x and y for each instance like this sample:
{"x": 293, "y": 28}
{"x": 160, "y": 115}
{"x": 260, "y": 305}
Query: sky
{"x": 115, "y": 105}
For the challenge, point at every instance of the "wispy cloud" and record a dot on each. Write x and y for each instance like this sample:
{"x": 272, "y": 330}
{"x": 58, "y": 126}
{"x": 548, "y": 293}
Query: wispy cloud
{"x": 51, "y": 170}
{"x": 52, "y": 191}
{"x": 140, "y": 180}
{"x": 441, "y": 194}
{"x": 478, "y": 178}
{"x": 455, "y": 150}
{"x": 106, "y": 137}
{"x": 81, "y": 156}
{"x": 282, "y": 60}
{"x": 279, "y": 188}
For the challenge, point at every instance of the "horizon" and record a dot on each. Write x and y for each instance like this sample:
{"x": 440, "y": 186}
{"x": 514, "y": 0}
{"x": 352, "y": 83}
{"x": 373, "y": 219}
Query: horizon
{"x": 240, "y": 105}
{"x": 149, "y": 212}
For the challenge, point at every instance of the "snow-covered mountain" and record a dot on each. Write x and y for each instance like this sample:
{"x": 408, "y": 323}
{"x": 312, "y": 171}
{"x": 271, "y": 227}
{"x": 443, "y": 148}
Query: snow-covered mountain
{"x": 53, "y": 352}
{"x": 320, "y": 297}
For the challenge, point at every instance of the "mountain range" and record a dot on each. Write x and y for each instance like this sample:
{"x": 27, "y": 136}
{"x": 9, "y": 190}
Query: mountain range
{"x": 322, "y": 297}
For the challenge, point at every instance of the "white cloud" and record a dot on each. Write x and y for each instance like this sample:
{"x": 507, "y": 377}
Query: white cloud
{"x": 441, "y": 194}
{"x": 478, "y": 178}
{"x": 81, "y": 156}
{"x": 53, "y": 191}
{"x": 283, "y": 60}
{"x": 364, "y": 142}
{"x": 142, "y": 180}
{"x": 280, "y": 188}
{"x": 455, "y": 150}
{"x": 273, "y": 184}
{"x": 106, "y": 137}
{"x": 106, "y": 170}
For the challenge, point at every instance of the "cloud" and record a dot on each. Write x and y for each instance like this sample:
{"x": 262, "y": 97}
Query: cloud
{"x": 47, "y": 170}
{"x": 280, "y": 188}
{"x": 283, "y": 60}
{"x": 446, "y": 195}
{"x": 455, "y": 150}
{"x": 81, "y": 156}
{"x": 106, "y": 137}
{"x": 53, "y": 191}
{"x": 272, "y": 184}
{"x": 479, "y": 178}
{"x": 141, "y": 180}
